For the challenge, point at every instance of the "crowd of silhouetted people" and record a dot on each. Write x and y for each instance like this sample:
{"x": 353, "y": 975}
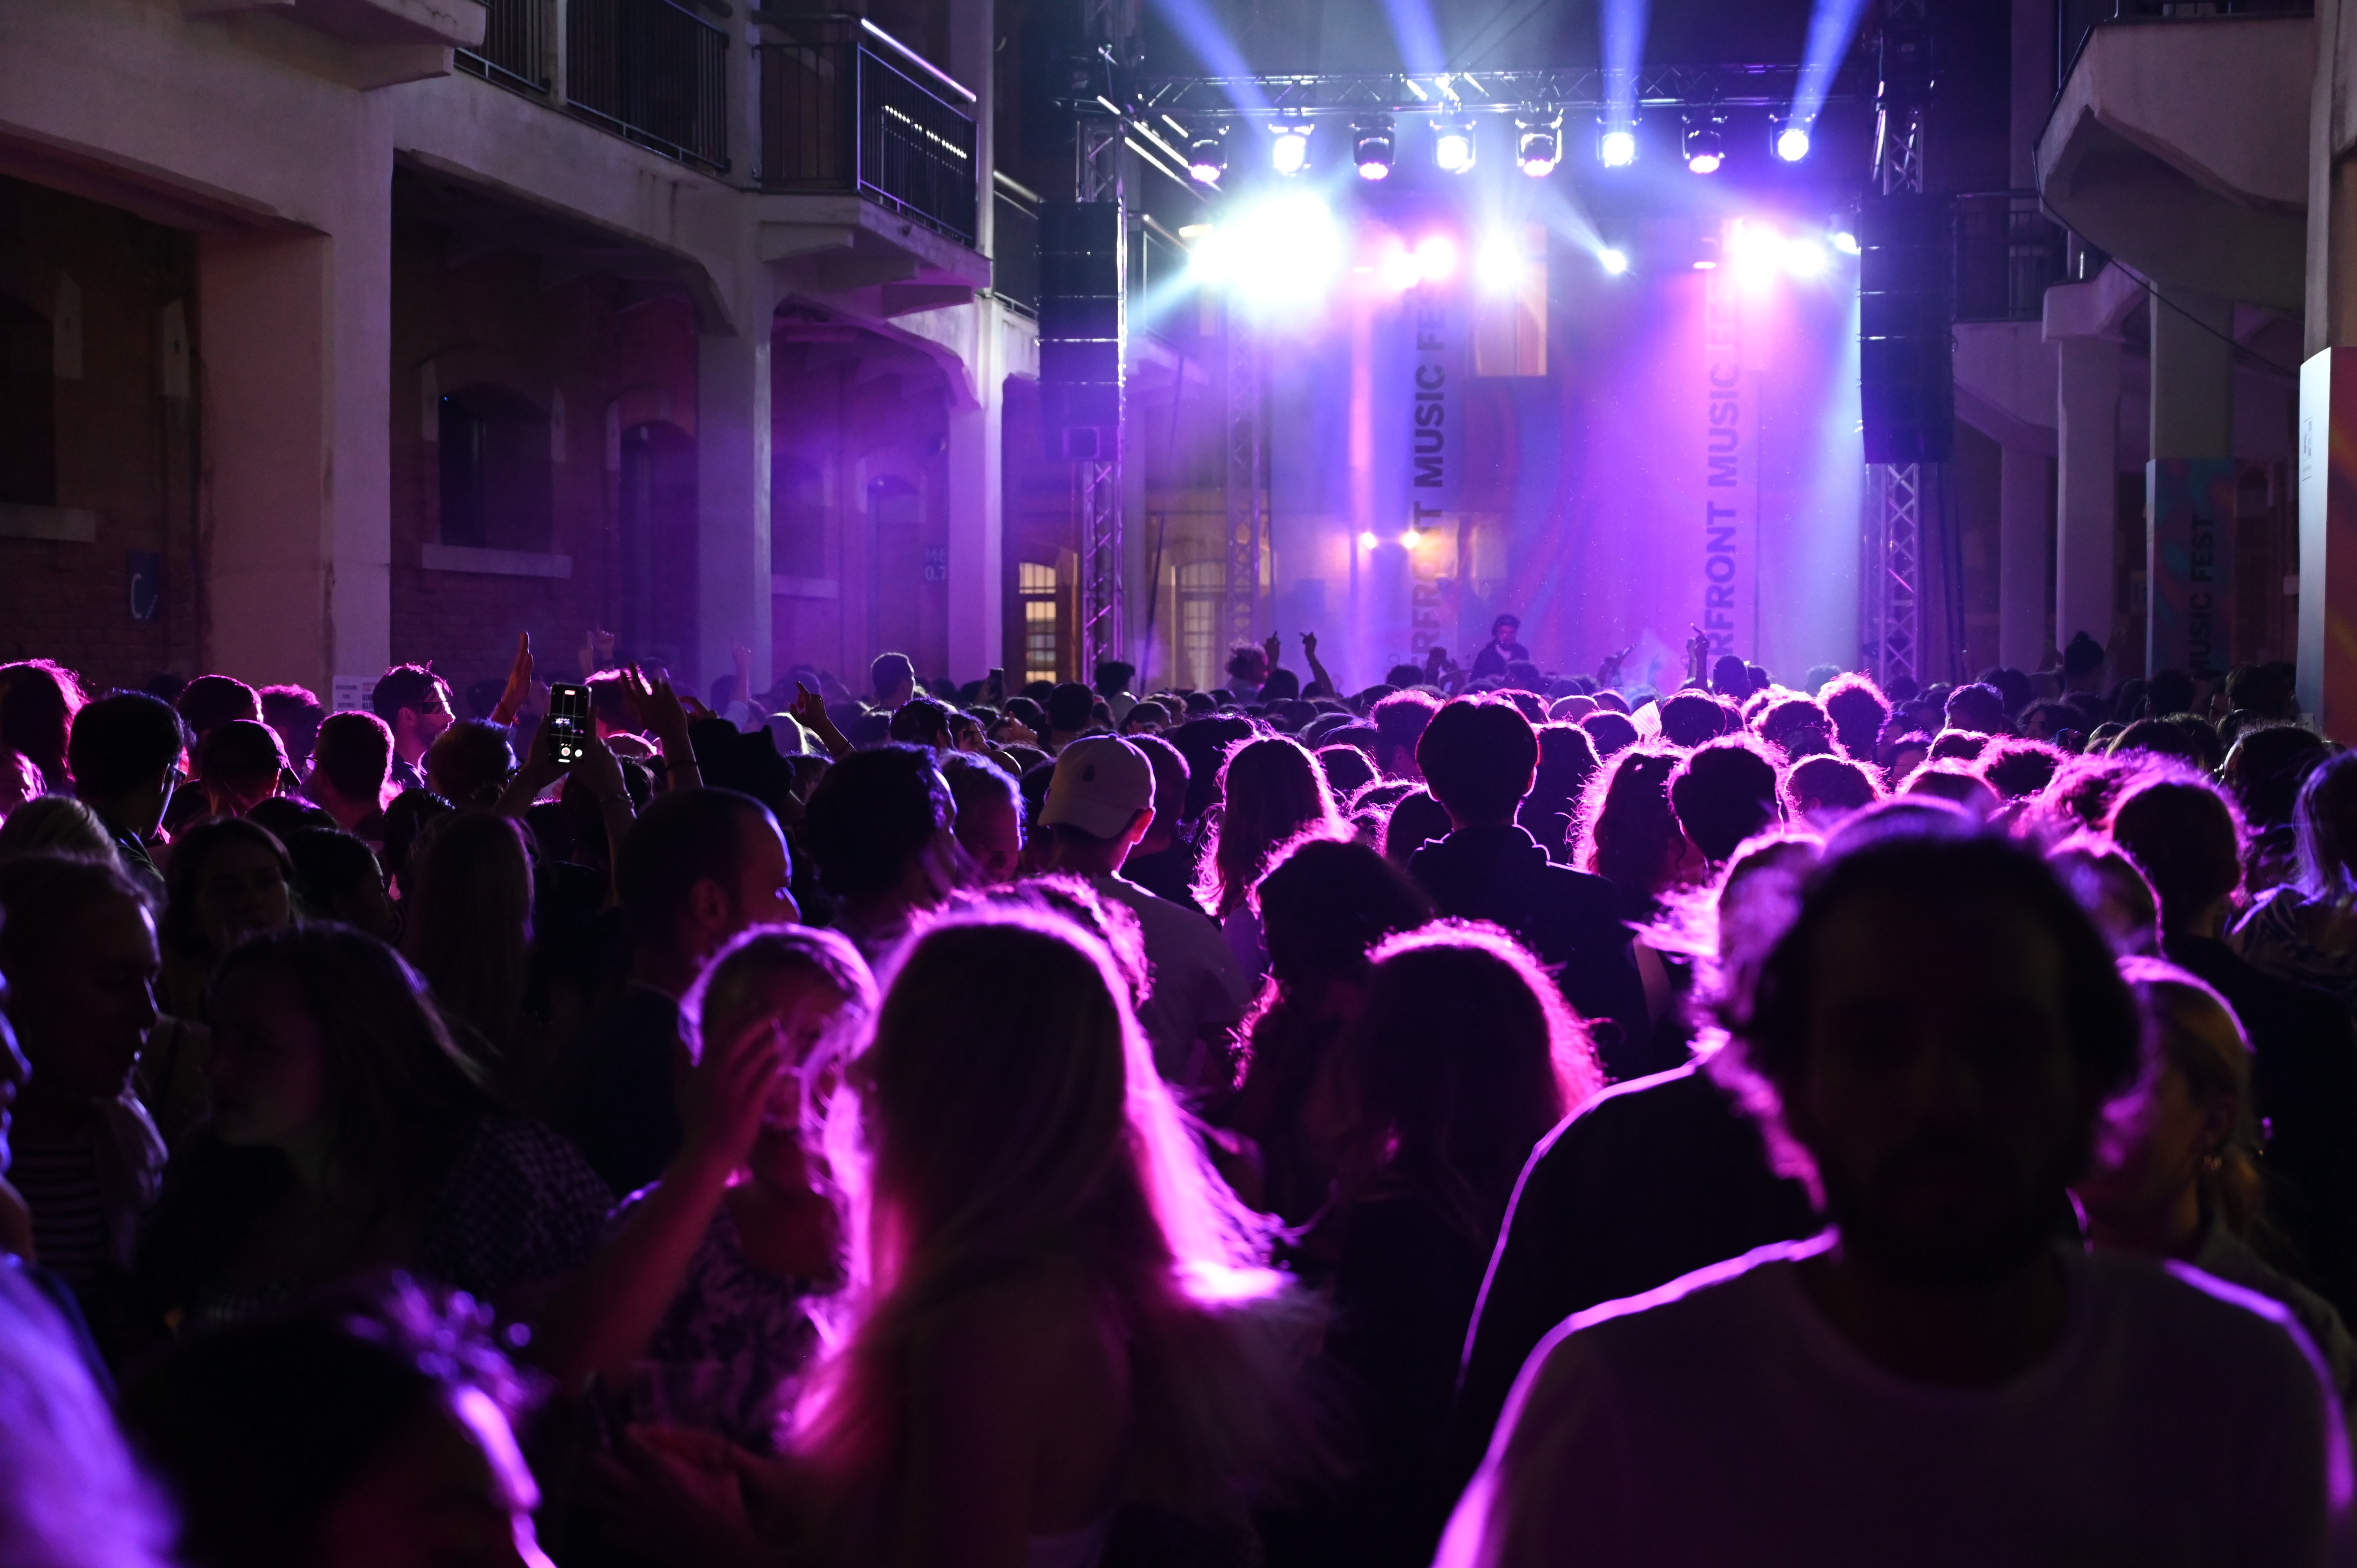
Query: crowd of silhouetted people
{"x": 1486, "y": 1118}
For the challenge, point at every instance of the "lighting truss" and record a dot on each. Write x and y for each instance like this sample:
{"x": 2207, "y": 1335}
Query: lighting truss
{"x": 1895, "y": 604}
{"x": 1582, "y": 88}
{"x": 1248, "y": 517}
{"x": 1100, "y": 156}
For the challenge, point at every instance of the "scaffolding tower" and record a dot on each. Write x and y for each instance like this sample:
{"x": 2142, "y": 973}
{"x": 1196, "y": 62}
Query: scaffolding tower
{"x": 1894, "y": 597}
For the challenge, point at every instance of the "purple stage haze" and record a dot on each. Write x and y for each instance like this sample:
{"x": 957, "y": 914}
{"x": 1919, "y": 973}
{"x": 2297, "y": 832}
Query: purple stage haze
{"x": 1690, "y": 456}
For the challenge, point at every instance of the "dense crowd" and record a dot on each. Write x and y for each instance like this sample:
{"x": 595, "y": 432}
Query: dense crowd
{"x": 1488, "y": 1117}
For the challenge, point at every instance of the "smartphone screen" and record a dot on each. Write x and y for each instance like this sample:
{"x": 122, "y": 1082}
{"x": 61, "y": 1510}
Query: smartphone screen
{"x": 568, "y": 722}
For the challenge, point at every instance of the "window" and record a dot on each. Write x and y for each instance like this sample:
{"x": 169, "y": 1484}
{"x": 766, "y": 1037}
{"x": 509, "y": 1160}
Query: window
{"x": 1042, "y": 644}
{"x": 29, "y": 420}
{"x": 497, "y": 491}
{"x": 1202, "y": 595}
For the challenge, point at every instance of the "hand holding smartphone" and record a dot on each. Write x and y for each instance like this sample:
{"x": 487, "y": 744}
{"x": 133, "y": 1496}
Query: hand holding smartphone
{"x": 569, "y": 726}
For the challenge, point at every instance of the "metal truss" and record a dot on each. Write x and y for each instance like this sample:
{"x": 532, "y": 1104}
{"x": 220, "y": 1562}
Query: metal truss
{"x": 1247, "y": 519}
{"x": 1895, "y": 601}
{"x": 1211, "y": 97}
{"x": 1100, "y": 161}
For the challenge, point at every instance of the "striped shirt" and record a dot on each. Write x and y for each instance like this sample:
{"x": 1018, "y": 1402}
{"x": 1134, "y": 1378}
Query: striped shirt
{"x": 60, "y": 1183}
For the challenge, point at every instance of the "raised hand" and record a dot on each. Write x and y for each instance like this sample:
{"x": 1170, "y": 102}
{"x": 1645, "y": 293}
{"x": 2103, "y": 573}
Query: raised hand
{"x": 723, "y": 1097}
{"x": 518, "y": 691}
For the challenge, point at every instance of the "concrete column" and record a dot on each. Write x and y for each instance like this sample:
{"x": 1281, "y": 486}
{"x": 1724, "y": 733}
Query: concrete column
{"x": 976, "y": 567}
{"x": 2192, "y": 374}
{"x": 294, "y": 332}
{"x": 2087, "y": 409}
{"x": 2328, "y": 542}
{"x": 973, "y": 57}
{"x": 732, "y": 502}
{"x": 2330, "y": 320}
{"x": 2025, "y": 501}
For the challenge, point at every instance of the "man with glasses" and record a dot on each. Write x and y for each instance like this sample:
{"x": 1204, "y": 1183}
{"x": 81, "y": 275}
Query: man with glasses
{"x": 125, "y": 753}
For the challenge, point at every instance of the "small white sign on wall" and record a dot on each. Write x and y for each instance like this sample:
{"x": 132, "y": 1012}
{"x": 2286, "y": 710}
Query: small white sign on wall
{"x": 350, "y": 694}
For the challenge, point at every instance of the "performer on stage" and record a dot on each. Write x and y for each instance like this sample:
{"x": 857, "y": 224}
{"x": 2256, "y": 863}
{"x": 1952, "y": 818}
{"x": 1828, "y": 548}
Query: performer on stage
{"x": 1501, "y": 649}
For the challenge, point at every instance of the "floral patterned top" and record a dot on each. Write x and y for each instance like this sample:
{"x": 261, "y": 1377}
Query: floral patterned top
{"x": 732, "y": 1349}
{"x": 2278, "y": 934}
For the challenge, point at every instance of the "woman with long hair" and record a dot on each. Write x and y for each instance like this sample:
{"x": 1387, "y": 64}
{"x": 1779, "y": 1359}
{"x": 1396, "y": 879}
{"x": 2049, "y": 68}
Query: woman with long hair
{"x": 2176, "y": 1172}
{"x": 2303, "y": 930}
{"x": 696, "y": 1310}
{"x": 228, "y": 879}
{"x": 1631, "y": 835}
{"x": 1464, "y": 1057}
{"x": 468, "y": 904}
{"x": 350, "y": 1135}
{"x": 1271, "y": 790}
{"x": 1326, "y": 904}
{"x": 1057, "y": 1310}
{"x": 38, "y": 700}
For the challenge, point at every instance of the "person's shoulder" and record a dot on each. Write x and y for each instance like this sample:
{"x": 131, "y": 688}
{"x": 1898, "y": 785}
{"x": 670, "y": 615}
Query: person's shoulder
{"x": 1637, "y": 1110}
{"x": 528, "y": 1153}
{"x": 1566, "y": 882}
{"x": 1163, "y": 915}
{"x": 1663, "y": 1332}
{"x": 2248, "y": 1347}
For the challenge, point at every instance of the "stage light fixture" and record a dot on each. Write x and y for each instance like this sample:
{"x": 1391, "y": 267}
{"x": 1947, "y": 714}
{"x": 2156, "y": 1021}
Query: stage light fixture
{"x": 1368, "y": 541}
{"x": 1499, "y": 264}
{"x": 1617, "y": 148}
{"x": 1289, "y": 153}
{"x": 1397, "y": 268}
{"x": 1790, "y": 140}
{"x": 1408, "y": 537}
{"x": 1803, "y": 256}
{"x": 1435, "y": 258}
{"x": 1206, "y": 159}
{"x": 1538, "y": 145}
{"x": 1706, "y": 146}
{"x": 1613, "y": 262}
{"x": 1373, "y": 148}
{"x": 1452, "y": 145}
{"x": 1283, "y": 251}
{"x": 1846, "y": 243}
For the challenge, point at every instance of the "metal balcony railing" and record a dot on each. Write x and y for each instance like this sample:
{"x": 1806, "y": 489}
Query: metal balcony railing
{"x": 652, "y": 71}
{"x": 2008, "y": 253}
{"x": 2074, "y": 20}
{"x": 514, "y": 51}
{"x": 847, "y": 107}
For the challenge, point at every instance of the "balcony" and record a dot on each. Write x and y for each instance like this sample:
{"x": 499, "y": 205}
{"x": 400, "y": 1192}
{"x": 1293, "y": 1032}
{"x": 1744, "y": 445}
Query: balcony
{"x": 846, "y": 109}
{"x": 649, "y": 70}
{"x": 2176, "y": 146}
{"x": 2008, "y": 253}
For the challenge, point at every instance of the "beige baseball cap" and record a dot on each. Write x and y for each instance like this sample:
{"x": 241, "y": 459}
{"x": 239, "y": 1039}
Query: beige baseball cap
{"x": 1101, "y": 782}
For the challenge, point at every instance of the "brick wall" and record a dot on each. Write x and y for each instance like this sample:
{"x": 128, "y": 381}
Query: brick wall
{"x": 498, "y": 319}
{"x": 121, "y": 446}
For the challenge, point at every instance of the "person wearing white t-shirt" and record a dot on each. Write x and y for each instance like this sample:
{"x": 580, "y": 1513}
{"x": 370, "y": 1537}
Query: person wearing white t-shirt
{"x": 1939, "y": 1378}
{"x": 1099, "y": 804}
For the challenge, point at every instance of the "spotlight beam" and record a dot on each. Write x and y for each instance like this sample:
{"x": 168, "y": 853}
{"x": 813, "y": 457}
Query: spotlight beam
{"x": 1833, "y": 26}
{"x": 1193, "y": 21}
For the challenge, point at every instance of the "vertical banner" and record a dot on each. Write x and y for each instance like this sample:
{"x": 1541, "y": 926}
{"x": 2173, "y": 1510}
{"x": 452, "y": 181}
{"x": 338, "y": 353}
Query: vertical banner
{"x": 1727, "y": 516}
{"x": 1418, "y": 365}
{"x": 2188, "y": 509}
